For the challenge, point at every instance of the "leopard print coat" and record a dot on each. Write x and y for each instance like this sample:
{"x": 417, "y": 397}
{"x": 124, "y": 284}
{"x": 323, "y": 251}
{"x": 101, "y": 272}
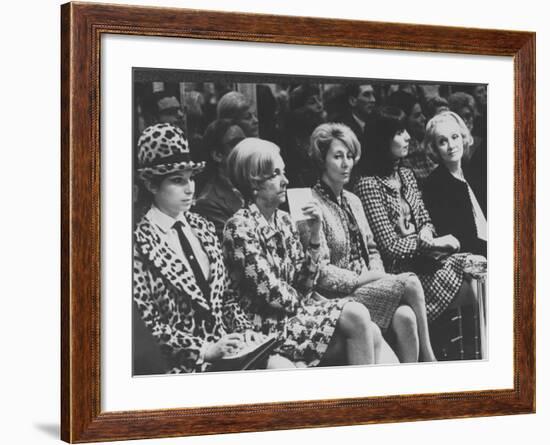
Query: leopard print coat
{"x": 171, "y": 303}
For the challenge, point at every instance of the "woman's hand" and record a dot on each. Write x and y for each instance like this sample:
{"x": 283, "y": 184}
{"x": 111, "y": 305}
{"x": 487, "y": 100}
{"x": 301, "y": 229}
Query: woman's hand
{"x": 315, "y": 218}
{"x": 225, "y": 346}
{"x": 447, "y": 243}
{"x": 437, "y": 254}
{"x": 426, "y": 238}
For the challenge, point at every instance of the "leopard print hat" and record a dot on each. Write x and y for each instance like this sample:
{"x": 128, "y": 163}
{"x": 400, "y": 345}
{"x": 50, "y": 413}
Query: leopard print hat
{"x": 163, "y": 149}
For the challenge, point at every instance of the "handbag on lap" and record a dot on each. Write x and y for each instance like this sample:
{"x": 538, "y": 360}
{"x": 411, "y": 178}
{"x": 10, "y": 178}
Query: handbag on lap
{"x": 253, "y": 357}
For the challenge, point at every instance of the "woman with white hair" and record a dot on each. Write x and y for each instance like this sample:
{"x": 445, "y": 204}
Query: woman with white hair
{"x": 451, "y": 202}
{"x": 178, "y": 272}
{"x": 273, "y": 277}
{"x": 351, "y": 264}
{"x": 402, "y": 227}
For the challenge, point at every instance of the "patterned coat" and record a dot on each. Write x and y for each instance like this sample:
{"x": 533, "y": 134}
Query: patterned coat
{"x": 382, "y": 205}
{"x": 171, "y": 303}
{"x": 336, "y": 239}
{"x": 339, "y": 272}
{"x": 273, "y": 278}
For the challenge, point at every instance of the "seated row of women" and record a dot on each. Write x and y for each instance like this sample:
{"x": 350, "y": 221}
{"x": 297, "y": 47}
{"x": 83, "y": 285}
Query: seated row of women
{"x": 363, "y": 267}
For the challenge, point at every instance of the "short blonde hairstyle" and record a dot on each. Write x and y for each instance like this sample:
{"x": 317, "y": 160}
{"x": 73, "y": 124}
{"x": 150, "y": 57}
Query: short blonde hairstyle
{"x": 231, "y": 105}
{"x": 443, "y": 117}
{"x": 323, "y": 137}
{"x": 250, "y": 163}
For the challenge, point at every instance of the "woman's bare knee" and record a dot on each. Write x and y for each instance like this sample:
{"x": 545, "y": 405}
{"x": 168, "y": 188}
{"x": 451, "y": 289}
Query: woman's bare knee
{"x": 279, "y": 362}
{"x": 376, "y": 335}
{"x": 354, "y": 318}
{"x": 414, "y": 293}
{"x": 404, "y": 321}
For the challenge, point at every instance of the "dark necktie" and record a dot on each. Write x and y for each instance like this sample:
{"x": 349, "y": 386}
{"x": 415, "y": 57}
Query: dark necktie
{"x": 191, "y": 258}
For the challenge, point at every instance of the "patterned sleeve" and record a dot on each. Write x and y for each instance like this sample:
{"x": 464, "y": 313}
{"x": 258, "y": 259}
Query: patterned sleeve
{"x": 392, "y": 246}
{"x": 183, "y": 347}
{"x": 234, "y": 318}
{"x": 375, "y": 260}
{"x": 307, "y": 259}
{"x": 423, "y": 219}
{"x": 246, "y": 259}
{"x": 331, "y": 277}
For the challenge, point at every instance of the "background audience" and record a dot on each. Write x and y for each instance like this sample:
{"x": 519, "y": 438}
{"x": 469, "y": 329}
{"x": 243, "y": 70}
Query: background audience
{"x": 421, "y": 207}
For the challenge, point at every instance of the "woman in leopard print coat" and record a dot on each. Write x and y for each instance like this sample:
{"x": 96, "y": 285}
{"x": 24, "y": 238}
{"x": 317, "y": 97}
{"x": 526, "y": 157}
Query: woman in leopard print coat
{"x": 181, "y": 301}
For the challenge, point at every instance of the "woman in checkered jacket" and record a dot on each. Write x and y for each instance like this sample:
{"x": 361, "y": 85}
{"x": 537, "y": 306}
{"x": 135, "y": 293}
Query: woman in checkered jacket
{"x": 272, "y": 276}
{"x": 400, "y": 222}
{"x": 350, "y": 261}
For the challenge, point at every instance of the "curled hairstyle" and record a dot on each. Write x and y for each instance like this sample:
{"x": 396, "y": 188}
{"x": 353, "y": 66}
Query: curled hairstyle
{"x": 432, "y": 105}
{"x": 444, "y": 117}
{"x": 214, "y": 133}
{"x": 299, "y": 95}
{"x": 459, "y": 100}
{"x": 380, "y": 131}
{"x": 323, "y": 137}
{"x": 231, "y": 105}
{"x": 250, "y": 163}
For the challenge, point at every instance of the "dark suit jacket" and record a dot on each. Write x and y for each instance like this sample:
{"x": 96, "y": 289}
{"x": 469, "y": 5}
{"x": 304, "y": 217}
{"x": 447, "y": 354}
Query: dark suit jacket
{"x": 217, "y": 203}
{"x": 450, "y": 207}
{"x": 349, "y": 120}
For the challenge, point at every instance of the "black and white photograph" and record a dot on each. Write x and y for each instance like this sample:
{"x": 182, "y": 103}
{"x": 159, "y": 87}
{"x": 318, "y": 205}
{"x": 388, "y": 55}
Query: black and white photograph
{"x": 285, "y": 221}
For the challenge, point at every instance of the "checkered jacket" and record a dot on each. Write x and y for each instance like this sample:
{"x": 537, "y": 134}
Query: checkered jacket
{"x": 382, "y": 206}
{"x": 402, "y": 253}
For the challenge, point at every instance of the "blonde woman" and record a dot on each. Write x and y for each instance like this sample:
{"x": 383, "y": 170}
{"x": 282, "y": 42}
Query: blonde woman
{"x": 451, "y": 202}
{"x": 351, "y": 264}
{"x": 273, "y": 277}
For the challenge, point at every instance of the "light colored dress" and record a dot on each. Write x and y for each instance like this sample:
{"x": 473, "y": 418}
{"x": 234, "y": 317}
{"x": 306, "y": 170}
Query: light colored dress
{"x": 347, "y": 249}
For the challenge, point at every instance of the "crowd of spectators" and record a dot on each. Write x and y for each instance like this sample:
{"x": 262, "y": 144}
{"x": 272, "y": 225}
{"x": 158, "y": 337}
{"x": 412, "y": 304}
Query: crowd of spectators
{"x": 398, "y": 173}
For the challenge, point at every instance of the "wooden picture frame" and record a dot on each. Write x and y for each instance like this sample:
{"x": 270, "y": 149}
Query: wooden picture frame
{"x": 82, "y": 26}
